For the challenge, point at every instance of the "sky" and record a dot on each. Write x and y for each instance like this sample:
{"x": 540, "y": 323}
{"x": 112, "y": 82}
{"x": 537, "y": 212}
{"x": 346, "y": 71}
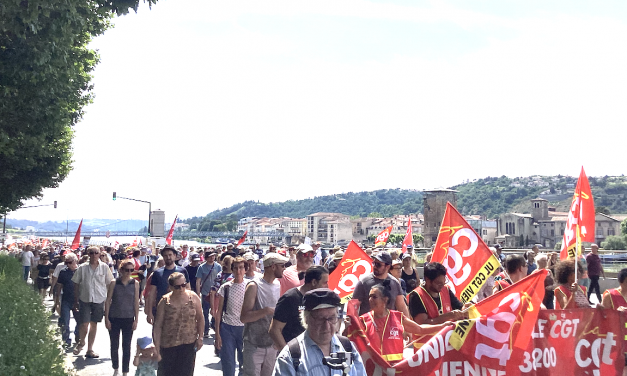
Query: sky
{"x": 203, "y": 104}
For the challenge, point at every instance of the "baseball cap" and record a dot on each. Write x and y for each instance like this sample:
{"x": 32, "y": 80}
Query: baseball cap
{"x": 248, "y": 256}
{"x": 320, "y": 299}
{"x": 144, "y": 342}
{"x": 304, "y": 248}
{"x": 384, "y": 257}
{"x": 195, "y": 256}
{"x": 405, "y": 256}
{"x": 497, "y": 246}
{"x": 273, "y": 258}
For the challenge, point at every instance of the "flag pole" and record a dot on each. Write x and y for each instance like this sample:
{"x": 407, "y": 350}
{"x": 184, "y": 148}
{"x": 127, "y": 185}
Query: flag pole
{"x": 576, "y": 249}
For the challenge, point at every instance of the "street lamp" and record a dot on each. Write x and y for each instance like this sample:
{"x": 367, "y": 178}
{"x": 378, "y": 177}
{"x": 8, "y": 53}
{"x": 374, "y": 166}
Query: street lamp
{"x": 4, "y": 223}
{"x": 115, "y": 196}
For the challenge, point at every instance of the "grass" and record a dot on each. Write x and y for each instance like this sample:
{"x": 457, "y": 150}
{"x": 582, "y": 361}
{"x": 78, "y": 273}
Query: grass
{"x": 28, "y": 345}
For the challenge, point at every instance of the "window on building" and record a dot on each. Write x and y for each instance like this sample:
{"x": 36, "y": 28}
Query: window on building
{"x": 610, "y": 231}
{"x": 599, "y": 230}
{"x": 552, "y": 232}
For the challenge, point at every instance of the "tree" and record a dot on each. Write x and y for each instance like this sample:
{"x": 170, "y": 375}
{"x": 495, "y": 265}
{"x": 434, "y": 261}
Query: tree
{"x": 45, "y": 83}
{"x": 614, "y": 243}
{"x": 418, "y": 239}
{"x": 623, "y": 227}
{"x": 603, "y": 210}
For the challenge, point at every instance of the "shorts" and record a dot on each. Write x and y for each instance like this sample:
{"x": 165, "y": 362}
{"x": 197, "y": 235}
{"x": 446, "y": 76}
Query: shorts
{"x": 42, "y": 283}
{"x": 90, "y": 312}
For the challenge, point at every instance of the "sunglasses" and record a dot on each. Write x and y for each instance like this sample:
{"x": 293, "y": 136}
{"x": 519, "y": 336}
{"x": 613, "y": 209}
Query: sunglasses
{"x": 378, "y": 264}
{"x": 128, "y": 270}
{"x": 178, "y": 287}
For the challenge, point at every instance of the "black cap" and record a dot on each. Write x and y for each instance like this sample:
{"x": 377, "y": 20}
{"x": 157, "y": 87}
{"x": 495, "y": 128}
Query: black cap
{"x": 497, "y": 246}
{"x": 321, "y": 298}
{"x": 384, "y": 257}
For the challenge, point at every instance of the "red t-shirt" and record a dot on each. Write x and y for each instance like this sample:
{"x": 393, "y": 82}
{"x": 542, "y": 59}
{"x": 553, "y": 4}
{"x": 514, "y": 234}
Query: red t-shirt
{"x": 290, "y": 279}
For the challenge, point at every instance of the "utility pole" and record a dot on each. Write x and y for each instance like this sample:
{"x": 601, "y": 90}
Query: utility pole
{"x": 115, "y": 196}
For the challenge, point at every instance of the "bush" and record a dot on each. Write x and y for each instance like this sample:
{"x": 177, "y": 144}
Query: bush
{"x": 28, "y": 344}
{"x": 614, "y": 243}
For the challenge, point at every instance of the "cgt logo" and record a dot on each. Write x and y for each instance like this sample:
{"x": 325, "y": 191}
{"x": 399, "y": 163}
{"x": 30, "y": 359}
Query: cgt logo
{"x": 395, "y": 333}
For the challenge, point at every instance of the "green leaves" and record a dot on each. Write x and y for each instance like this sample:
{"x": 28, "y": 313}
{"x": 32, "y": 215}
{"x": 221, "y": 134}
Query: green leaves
{"x": 45, "y": 82}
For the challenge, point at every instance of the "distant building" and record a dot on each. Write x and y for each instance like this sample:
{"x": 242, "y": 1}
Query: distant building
{"x": 329, "y": 227}
{"x": 546, "y": 226}
{"x": 434, "y": 203}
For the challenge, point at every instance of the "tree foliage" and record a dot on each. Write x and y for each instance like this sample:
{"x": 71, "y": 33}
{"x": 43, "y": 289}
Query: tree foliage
{"x": 614, "y": 243}
{"x": 45, "y": 82}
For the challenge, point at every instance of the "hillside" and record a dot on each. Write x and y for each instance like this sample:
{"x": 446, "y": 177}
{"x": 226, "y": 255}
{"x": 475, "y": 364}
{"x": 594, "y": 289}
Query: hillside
{"x": 490, "y": 196}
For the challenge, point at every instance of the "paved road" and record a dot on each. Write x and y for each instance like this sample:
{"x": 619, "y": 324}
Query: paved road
{"x": 207, "y": 364}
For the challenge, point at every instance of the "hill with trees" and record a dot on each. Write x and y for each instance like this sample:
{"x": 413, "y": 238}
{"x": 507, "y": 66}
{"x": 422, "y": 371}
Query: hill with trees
{"x": 488, "y": 197}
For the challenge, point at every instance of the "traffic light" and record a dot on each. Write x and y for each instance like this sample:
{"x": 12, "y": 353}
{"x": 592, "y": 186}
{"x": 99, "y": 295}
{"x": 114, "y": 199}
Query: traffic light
{"x": 55, "y": 204}
{"x": 113, "y": 196}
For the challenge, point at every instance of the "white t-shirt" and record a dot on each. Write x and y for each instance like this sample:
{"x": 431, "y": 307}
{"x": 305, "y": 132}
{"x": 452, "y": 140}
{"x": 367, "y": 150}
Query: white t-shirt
{"x": 58, "y": 269}
{"x": 27, "y": 258}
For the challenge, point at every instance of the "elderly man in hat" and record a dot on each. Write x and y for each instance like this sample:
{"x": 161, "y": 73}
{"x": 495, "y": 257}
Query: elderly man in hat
{"x": 381, "y": 264}
{"x": 304, "y": 354}
{"x": 304, "y": 260}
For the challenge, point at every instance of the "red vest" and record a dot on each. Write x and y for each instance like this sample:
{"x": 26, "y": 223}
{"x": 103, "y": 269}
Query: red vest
{"x": 616, "y": 298}
{"x": 388, "y": 340}
{"x": 432, "y": 309}
{"x": 566, "y": 292}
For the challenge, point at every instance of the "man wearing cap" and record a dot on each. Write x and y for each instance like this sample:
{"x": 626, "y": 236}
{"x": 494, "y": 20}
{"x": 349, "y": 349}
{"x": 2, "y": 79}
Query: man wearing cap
{"x": 318, "y": 253}
{"x": 304, "y": 260}
{"x": 159, "y": 285}
{"x": 258, "y": 251}
{"x": 381, "y": 264}
{"x": 230, "y": 251}
{"x": 337, "y": 257}
{"x": 192, "y": 270}
{"x": 320, "y": 318}
{"x": 205, "y": 276}
{"x": 499, "y": 253}
{"x": 260, "y": 301}
{"x": 251, "y": 266}
{"x": 286, "y": 323}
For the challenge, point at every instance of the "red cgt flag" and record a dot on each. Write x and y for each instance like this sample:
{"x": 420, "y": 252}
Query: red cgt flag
{"x": 242, "y": 239}
{"x": 581, "y": 218}
{"x": 409, "y": 238}
{"x": 168, "y": 239}
{"x": 383, "y": 236}
{"x": 468, "y": 260}
{"x": 353, "y": 265}
{"x": 77, "y": 238}
{"x": 499, "y": 327}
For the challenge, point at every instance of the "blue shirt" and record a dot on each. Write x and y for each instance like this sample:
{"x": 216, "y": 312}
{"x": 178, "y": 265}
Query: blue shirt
{"x": 311, "y": 359}
{"x": 65, "y": 279}
{"x": 160, "y": 279}
{"x": 207, "y": 276}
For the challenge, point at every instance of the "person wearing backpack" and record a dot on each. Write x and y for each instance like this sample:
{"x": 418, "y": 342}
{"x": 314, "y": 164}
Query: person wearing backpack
{"x": 305, "y": 354}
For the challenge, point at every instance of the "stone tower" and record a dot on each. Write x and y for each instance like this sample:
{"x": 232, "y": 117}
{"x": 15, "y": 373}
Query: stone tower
{"x": 434, "y": 205}
{"x": 539, "y": 209}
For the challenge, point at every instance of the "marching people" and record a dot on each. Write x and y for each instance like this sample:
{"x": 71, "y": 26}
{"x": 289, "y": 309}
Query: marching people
{"x": 205, "y": 277}
{"x": 595, "y": 271}
{"x": 229, "y": 328}
{"x": 259, "y": 305}
{"x": 251, "y": 266}
{"x": 384, "y": 327}
{"x": 159, "y": 282}
{"x": 409, "y": 273}
{"x": 192, "y": 270}
{"x": 320, "y": 318}
{"x": 122, "y": 314}
{"x": 178, "y": 328}
{"x": 381, "y": 264}
{"x": 569, "y": 294}
{"x": 43, "y": 274}
{"x": 146, "y": 359}
{"x": 543, "y": 262}
{"x": 27, "y": 259}
{"x": 90, "y": 284}
{"x": 286, "y": 323}
{"x": 396, "y": 272}
{"x": 516, "y": 267}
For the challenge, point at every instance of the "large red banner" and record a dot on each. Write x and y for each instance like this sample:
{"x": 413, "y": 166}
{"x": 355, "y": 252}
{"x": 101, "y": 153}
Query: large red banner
{"x": 574, "y": 342}
{"x": 77, "y": 238}
{"x": 468, "y": 260}
{"x": 409, "y": 237}
{"x": 168, "y": 238}
{"x": 353, "y": 265}
{"x": 581, "y": 219}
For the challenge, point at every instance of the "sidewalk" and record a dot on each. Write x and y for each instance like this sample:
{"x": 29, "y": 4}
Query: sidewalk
{"x": 207, "y": 364}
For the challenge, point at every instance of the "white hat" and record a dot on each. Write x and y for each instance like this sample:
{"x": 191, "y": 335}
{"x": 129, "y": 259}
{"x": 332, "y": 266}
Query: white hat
{"x": 273, "y": 258}
{"x": 304, "y": 248}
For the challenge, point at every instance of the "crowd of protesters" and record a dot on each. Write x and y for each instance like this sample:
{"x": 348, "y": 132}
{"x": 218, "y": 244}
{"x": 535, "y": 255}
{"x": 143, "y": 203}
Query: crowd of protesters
{"x": 267, "y": 307}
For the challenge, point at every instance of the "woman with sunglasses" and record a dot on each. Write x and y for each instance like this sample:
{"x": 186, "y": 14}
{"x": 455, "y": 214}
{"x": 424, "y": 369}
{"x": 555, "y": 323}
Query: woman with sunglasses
{"x": 121, "y": 315}
{"x": 178, "y": 329}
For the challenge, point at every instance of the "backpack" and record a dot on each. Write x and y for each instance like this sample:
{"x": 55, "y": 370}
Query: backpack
{"x": 295, "y": 349}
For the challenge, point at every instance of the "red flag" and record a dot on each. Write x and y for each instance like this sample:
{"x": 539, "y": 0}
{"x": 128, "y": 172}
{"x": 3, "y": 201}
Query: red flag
{"x": 409, "y": 238}
{"x": 468, "y": 260}
{"x": 135, "y": 242}
{"x": 44, "y": 244}
{"x": 168, "y": 239}
{"x": 502, "y": 323}
{"x": 241, "y": 240}
{"x": 581, "y": 218}
{"x": 383, "y": 236}
{"x": 354, "y": 264}
{"x": 77, "y": 238}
